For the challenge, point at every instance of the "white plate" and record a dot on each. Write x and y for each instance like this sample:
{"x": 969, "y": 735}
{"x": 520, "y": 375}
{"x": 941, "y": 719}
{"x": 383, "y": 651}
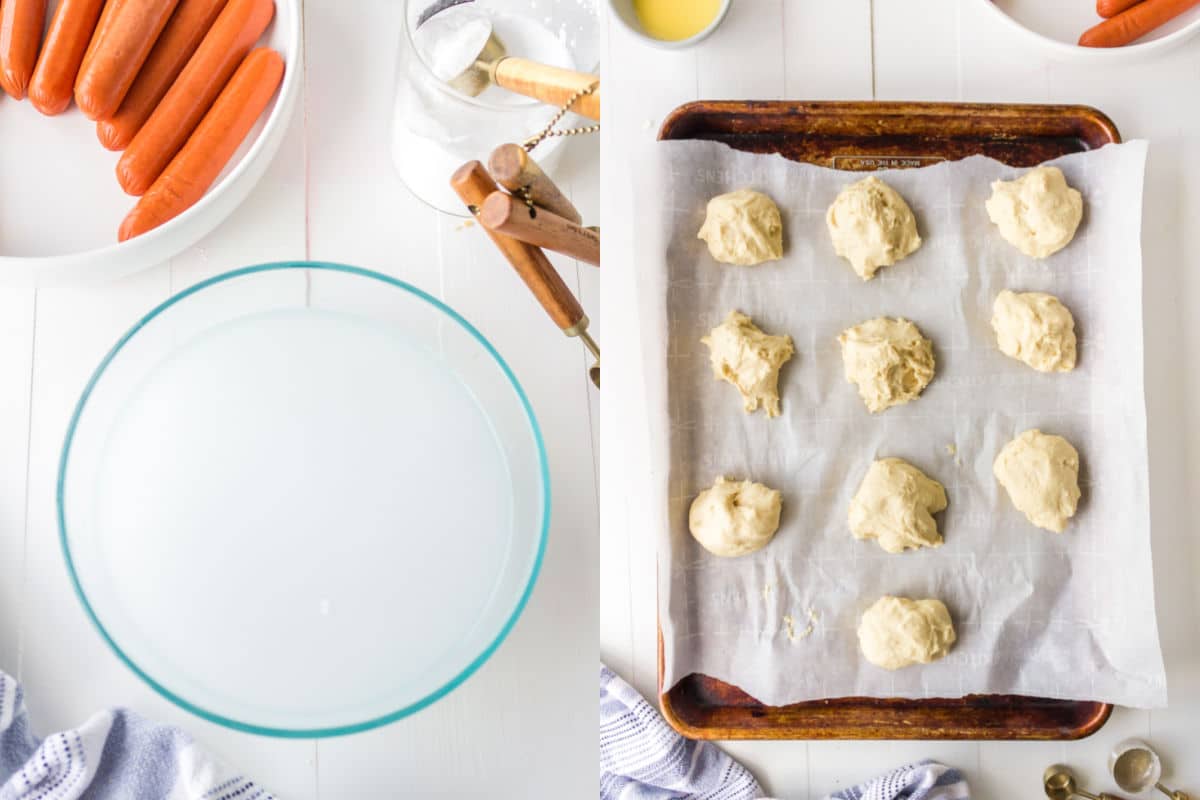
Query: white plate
{"x": 303, "y": 499}
{"x": 1056, "y": 26}
{"x": 58, "y": 224}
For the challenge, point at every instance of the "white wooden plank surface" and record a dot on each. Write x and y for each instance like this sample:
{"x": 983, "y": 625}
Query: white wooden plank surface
{"x": 944, "y": 50}
{"x": 331, "y": 194}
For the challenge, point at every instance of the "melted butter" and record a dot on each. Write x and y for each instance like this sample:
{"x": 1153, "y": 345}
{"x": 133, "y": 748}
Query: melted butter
{"x": 673, "y": 20}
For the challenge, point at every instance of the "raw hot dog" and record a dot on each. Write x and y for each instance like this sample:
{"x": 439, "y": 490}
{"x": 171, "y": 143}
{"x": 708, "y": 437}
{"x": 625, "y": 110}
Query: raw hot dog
{"x": 175, "y": 45}
{"x": 67, "y": 40}
{"x": 21, "y": 24}
{"x": 1134, "y": 23}
{"x": 118, "y": 54}
{"x": 1110, "y": 8}
{"x": 215, "y": 140}
{"x": 235, "y": 31}
{"x": 102, "y": 25}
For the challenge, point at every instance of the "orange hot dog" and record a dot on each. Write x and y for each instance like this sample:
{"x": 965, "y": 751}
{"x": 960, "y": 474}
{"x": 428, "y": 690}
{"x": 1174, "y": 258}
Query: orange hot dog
{"x": 175, "y": 45}
{"x": 118, "y": 54}
{"x": 1110, "y": 8}
{"x": 62, "y": 53}
{"x": 235, "y": 31}
{"x": 1134, "y": 23}
{"x": 215, "y": 140}
{"x": 21, "y": 24}
{"x": 102, "y": 25}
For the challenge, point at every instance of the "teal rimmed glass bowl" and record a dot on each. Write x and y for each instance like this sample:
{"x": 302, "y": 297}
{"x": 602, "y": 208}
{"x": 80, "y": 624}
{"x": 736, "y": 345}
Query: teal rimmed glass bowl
{"x": 303, "y": 499}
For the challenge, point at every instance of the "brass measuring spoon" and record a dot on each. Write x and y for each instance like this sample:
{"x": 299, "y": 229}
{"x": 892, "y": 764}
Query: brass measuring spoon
{"x": 493, "y": 65}
{"x": 1059, "y": 783}
{"x": 1135, "y": 767}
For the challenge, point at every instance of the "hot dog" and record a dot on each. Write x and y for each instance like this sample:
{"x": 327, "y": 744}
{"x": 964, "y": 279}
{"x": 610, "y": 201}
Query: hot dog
{"x": 21, "y": 24}
{"x": 235, "y": 31}
{"x": 102, "y": 25}
{"x": 118, "y": 54}
{"x": 178, "y": 40}
{"x": 67, "y": 40}
{"x": 1110, "y": 8}
{"x": 215, "y": 140}
{"x": 1134, "y": 23}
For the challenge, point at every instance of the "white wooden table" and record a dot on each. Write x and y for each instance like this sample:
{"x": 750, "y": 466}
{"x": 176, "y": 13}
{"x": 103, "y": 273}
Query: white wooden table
{"x": 525, "y": 725}
{"x": 921, "y": 50}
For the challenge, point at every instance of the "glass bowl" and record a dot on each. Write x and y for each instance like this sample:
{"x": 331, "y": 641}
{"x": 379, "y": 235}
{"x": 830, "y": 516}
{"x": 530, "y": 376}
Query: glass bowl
{"x": 303, "y": 499}
{"x": 435, "y": 129}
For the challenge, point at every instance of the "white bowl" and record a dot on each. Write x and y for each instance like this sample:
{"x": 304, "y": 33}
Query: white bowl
{"x": 1055, "y": 27}
{"x": 622, "y": 11}
{"x": 58, "y": 224}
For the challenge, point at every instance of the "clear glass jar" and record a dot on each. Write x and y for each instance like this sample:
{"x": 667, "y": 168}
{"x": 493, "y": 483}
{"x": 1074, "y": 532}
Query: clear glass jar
{"x": 436, "y": 129}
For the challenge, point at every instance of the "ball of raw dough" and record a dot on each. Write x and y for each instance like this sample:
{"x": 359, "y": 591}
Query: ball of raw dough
{"x": 734, "y": 518}
{"x": 1040, "y": 472}
{"x": 1035, "y": 328}
{"x": 871, "y": 226}
{"x": 895, "y": 505}
{"x": 897, "y": 632}
{"x": 889, "y": 360}
{"x": 1038, "y": 212}
{"x": 749, "y": 359}
{"x": 743, "y": 228}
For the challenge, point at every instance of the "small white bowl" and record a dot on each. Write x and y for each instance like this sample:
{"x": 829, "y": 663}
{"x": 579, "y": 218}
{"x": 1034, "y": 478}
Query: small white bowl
{"x": 1056, "y": 26}
{"x": 58, "y": 226}
{"x": 622, "y": 11}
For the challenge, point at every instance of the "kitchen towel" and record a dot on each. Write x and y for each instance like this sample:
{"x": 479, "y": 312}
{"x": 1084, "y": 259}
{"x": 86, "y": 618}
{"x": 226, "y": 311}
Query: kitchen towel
{"x": 924, "y": 780}
{"x": 642, "y": 758}
{"x": 114, "y": 754}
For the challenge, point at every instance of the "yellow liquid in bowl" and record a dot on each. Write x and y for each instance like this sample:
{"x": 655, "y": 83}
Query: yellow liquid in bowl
{"x": 673, "y": 20}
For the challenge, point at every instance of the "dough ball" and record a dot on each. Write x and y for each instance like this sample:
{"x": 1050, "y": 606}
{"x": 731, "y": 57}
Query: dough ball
{"x": 749, "y": 359}
{"x": 889, "y": 360}
{"x": 1036, "y": 213}
{"x": 895, "y": 505}
{"x": 871, "y": 226}
{"x": 743, "y": 228}
{"x": 734, "y": 518}
{"x": 1035, "y": 328}
{"x": 1040, "y": 472}
{"x": 897, "y": 632}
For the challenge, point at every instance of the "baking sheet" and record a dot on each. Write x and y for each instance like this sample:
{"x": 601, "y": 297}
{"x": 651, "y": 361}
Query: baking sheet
{"x": 1067, "y": 616}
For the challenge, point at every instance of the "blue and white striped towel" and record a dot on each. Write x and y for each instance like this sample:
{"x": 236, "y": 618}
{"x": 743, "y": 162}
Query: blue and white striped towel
{"x": 642, "y": 758}
{"x": 115, "y": 754}
{"x": 924, "y": 780}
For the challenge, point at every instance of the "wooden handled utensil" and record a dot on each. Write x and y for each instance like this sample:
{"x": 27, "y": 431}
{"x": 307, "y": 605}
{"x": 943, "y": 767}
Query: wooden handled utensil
{"x": 511, "y": 216}
{"x": 516, "y": 171}
{"x": 553, "y": 85}
{"x": 473, "y": 185}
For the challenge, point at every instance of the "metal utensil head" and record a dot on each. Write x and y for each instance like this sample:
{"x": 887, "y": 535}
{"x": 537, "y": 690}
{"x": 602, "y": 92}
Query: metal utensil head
{"x": 479, "y": 76}
{"x": 437, "y": 8}
{"x": 1059, "y": 782}
{"x": 1136, "y": 767}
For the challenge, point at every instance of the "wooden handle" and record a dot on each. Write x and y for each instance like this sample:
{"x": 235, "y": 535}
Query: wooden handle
{"x": 552, "y": 85}
{"x": 505, "y": 214}
{"x": 512, "y": 167}
{"x": 473, "y": 184}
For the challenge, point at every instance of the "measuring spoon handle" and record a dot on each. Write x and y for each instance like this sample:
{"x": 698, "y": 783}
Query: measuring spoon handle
{"x": 1174, "y": 795}
{"x": 549, "y": 84}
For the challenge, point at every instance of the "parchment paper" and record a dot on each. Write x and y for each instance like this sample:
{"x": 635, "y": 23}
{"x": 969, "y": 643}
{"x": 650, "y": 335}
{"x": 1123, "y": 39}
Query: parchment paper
{"x": 1064, "y": 616}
